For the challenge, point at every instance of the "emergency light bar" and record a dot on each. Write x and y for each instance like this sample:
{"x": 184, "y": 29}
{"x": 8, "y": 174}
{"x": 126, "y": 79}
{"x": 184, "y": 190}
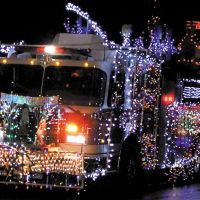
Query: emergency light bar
{"x": 52, "y": 50}
{"x": 49, "y": 49}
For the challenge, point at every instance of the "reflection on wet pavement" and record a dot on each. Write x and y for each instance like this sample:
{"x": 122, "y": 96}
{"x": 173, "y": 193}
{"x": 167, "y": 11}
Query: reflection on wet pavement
{"x": 188, "y": 192}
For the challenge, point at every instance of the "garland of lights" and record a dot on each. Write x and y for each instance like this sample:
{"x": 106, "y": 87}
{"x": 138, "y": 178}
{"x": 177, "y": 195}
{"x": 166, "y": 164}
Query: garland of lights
{"x": 191, "y": 80}
{"x": 96, "y": 28}
{"x": 12, "y": 158}
{"x": 191, "y": 92}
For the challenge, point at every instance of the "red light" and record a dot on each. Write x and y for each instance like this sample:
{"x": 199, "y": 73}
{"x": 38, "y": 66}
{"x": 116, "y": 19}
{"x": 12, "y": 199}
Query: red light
{"x": 167, "y": 99}
{"x": 40, "y": 50}
{"x": 60, "y": 51}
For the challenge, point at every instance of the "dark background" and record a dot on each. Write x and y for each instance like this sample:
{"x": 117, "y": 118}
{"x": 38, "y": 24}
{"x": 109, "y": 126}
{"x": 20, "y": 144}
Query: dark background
{"x": 38, "y": 21}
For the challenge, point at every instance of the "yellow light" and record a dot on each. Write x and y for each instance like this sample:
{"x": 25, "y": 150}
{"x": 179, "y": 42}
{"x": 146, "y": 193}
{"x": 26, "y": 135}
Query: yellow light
{"x": 57, "y": 63}
{"x": 86, "y": 64}
{"x": 4, "y": 61}
{"x": 32, "y": 62}
{"x": 72, "y": 128}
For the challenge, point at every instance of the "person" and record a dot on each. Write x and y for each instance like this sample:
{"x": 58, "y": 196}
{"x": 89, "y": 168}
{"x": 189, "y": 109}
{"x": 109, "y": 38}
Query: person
{"x": 24, "y": 121}
{"x": 130, "y": 151}
{"x": 2, "y": 132}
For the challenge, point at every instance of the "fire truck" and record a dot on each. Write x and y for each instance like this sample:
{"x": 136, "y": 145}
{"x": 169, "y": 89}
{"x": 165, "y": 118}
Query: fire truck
{"x": 76, "y": 110}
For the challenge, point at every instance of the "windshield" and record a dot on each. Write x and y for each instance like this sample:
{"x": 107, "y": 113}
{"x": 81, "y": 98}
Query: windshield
{"x": 75, "y": 85}
{"x": 21, "y": 79}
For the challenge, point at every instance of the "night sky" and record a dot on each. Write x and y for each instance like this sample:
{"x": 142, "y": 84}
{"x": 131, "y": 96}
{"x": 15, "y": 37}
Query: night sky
{"x": 38, "y": 21}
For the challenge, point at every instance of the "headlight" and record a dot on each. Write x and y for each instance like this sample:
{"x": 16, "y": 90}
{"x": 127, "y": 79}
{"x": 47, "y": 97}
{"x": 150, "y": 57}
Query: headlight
{"x": 79, "y": 139}
{"x": 72, "y": 128}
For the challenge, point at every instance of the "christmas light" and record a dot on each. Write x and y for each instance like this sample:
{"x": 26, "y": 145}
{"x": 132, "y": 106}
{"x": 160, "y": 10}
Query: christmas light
{"x": 12, "y": 157}
{"x": 5, "y": 49}
{"x": 96, "y": 28}
{"x": 182, "y": 148}
{"x": 191, "y": 93}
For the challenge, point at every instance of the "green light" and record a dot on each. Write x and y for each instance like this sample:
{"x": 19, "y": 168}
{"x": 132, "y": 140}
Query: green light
{"x": 10, "y": 136}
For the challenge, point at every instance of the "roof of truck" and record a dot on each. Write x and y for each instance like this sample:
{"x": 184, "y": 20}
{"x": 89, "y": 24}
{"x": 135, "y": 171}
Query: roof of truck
{"x": 80, "y": 41}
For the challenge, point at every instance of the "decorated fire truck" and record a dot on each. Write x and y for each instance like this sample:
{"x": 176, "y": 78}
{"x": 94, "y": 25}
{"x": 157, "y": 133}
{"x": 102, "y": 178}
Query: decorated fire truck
{"x": 66, "y": 109}
{"x": 84, "y": 107}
